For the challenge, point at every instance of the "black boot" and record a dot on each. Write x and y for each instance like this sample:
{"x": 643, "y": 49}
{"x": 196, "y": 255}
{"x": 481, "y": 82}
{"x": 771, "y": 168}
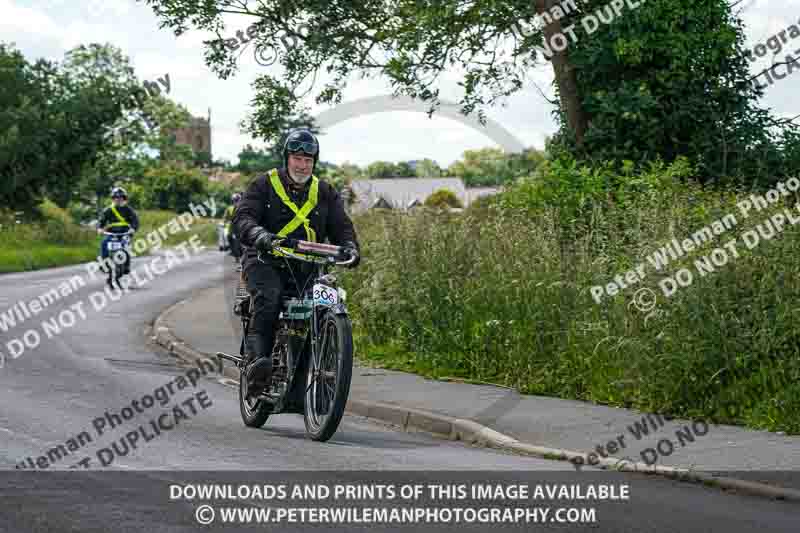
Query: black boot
{"x": 258, "y": 370}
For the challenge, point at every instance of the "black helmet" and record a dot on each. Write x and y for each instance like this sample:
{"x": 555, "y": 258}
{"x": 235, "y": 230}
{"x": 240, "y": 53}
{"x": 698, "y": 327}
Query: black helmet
{"x": 119, "y": 192}
{"x": 301, "y": 140}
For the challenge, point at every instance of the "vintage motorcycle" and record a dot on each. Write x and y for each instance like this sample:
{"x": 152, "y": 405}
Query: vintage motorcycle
{"x": 119, "y": 251}
{"x": 312, "y": 358}
{"x": 222, "y": 237}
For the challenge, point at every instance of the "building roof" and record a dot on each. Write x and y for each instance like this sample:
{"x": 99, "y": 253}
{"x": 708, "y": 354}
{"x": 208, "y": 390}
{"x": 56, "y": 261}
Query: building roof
{"x": 401, "y": 193}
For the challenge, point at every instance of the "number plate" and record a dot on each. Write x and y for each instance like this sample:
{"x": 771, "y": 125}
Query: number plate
{"x": 325, "y": 295}
{"x": 115, "y": 246}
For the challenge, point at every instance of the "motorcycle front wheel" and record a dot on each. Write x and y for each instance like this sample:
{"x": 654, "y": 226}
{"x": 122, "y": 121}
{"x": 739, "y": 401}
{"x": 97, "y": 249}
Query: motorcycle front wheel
{"x": 120, "y": 260}
{"x": 328, "y": 377}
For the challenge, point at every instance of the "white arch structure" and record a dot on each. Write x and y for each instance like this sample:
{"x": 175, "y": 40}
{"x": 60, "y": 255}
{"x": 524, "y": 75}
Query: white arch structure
{"x": 386, "y": 103}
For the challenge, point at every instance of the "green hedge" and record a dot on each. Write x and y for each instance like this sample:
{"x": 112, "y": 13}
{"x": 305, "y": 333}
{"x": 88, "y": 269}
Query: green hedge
{"x": 501, "y": 293}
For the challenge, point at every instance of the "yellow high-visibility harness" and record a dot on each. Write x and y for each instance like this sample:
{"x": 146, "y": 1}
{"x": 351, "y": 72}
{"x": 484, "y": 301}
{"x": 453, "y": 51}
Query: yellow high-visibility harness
{"x": 122, "y": 223}
{"x": 301, "y": 215}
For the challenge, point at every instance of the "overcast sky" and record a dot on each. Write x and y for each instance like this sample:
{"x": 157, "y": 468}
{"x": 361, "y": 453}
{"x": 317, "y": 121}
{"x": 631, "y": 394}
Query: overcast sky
{"x": 48, "y": 28}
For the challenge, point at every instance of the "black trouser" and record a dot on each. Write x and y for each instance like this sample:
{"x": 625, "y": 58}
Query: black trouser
{"x": 270, "y": 284}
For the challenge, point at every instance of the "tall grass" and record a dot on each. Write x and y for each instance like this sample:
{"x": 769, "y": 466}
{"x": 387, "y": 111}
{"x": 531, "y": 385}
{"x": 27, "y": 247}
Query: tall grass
{"x": 501, "y": 293}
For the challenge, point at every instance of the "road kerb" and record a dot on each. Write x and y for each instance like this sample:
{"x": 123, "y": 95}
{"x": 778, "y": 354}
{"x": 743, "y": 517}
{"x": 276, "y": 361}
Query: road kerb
{"x": 472, "y": 432}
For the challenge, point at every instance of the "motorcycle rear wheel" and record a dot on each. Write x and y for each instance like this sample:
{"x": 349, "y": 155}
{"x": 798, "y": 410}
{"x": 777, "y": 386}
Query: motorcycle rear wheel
{"x": 254, "y": 412}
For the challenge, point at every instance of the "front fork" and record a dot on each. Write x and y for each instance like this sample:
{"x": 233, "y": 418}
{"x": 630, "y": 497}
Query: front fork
{"x": 316, "y": 347}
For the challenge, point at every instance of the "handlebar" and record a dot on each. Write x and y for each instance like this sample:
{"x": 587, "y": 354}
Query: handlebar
{"x": 109, "y": 234}
{"x": 329, "y": 253}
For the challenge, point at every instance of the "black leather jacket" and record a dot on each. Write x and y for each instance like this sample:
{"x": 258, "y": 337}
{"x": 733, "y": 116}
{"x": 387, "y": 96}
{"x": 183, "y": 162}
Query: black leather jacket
{"x": 261, "y": 206}
{"x": 125, "y": 212}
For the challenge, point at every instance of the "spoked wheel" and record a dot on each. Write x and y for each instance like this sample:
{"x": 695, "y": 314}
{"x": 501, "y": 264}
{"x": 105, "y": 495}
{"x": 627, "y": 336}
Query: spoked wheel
{"x": 328, "y": 378}
{"x": 254, "y": 411}
{"x": 120, "y": 258}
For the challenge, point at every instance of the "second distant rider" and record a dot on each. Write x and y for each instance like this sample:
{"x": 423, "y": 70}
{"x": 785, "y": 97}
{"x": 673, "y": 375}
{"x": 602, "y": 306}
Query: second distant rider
{"x": 118, "y": 218}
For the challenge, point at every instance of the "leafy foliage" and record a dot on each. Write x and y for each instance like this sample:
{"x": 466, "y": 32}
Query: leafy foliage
{"x": 409, "y": 42}
{"x": 253, "y": 161}
{"x": 443, "y": 198}
{"x": 386, "y": 169}
{"x": 54, "y": 124}
{"x": 669, "y": 79}
{"x": 493, "y": 167}
{"x": 70, "y": 131}
{"x": 172, "y": 187}
{"x": 663, "y": 80}
{"x": 427, "y": 168}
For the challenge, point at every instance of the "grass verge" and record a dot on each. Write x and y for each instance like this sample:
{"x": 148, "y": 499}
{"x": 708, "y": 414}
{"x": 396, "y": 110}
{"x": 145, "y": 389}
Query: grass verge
{"x": 57, "y": 241}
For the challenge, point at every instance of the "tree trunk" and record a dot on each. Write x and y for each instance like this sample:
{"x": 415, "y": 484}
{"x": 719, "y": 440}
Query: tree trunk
{"x": 566, "y": 79}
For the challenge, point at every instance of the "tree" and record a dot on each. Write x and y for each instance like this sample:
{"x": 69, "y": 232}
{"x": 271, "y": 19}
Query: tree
{"x": 671, "y": 69}
{"x": 381, "y": 169}
{"x": 253, "y": 161}
{"x": 202, "y": 159}
{"x": 170, "y": 186}
{"x": 351, "y": 171}
{"x": 443, "y": 198}
{"x": 57, "y": 121}
{"x": 487, "y": 167}
{"x": 170, "y": 117}
{"x": 428, "y": 168}
{"x": 410, "y": 42}
{"x": 670, "y": 79}
{"x": 403, "y": 170}
{"x": 143, "y": 121}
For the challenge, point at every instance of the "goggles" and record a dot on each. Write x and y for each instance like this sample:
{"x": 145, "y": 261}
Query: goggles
{"x": 297, "y": 146}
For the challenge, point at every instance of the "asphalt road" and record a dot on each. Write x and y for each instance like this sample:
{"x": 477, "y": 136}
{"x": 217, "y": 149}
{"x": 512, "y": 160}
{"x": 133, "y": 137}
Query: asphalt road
{"x": 70, "y": 389}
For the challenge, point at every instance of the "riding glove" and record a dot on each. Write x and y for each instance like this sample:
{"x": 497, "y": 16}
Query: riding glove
{"x": 262, "y": 239}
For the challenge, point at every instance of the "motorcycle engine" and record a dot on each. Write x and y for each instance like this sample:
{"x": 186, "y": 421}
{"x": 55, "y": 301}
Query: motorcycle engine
{"x": 280, "y": 367}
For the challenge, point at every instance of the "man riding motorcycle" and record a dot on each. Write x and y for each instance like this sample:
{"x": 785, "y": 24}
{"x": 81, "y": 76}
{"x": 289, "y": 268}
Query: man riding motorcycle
{"x": 227, "y": 219}
{"x": 289, "y": 202}
{"x": 118, "y": 218}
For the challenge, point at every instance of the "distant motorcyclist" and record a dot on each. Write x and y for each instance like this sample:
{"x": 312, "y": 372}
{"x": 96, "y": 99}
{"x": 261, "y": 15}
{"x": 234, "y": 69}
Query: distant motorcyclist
{"x": 118, "y": 218}
{"x": 289, "y": 202}
{"x": 230, "y": 229}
